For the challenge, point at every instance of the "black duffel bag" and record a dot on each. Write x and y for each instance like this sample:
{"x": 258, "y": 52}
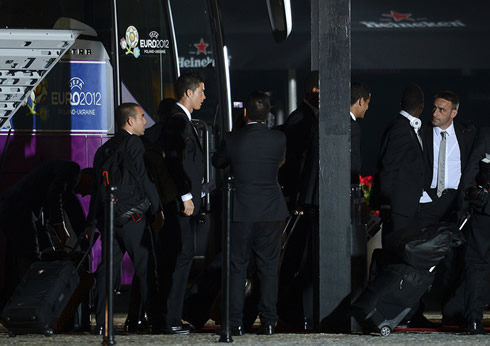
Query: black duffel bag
{"x": 426, "y": 247}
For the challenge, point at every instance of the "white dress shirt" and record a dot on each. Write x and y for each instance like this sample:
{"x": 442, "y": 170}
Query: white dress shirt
{"x": 453, "y": 158}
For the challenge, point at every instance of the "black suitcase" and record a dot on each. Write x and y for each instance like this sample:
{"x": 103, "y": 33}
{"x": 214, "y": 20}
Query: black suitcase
{"x": 44, "y": 292}
{"x": 390, "y": 296}
{"x": 40, "y": 298}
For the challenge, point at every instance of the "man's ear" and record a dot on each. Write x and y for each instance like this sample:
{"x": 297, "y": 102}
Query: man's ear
{"x": 454, "y": 112}
{"x": 188, "y": 93}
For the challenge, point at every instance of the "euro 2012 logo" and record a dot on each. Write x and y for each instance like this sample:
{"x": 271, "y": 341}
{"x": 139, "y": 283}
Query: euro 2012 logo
{"x": 130, "y": 42}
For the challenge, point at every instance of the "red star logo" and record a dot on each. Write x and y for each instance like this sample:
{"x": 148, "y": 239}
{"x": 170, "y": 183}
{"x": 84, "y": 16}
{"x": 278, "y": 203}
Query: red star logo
{"x": 397, "y": 17}
{"x": 201, "y": 47}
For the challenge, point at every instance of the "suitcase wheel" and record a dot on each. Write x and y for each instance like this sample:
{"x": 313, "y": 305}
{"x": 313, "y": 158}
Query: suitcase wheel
{"x": 385, "y": 331}
{"x": 48, "y": 332}
{"x": 12, "y": 334}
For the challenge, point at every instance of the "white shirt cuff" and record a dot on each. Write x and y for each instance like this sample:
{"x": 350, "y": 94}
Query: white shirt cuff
{"x": 186, "y": 197}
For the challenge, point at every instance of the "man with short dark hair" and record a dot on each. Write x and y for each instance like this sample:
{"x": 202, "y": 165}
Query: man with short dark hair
{"x": 131, "y": 236}
{"x": 359, "y": 104}
{"x": 443, "y": 169}
{"x": 255, "y": 154}
{"x": 398, "y": 184}
{"x": 185, "y": 161}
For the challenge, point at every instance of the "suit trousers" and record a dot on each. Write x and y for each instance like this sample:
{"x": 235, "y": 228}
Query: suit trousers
{"x": 477, "y": 267}
{"x": 262, "y": 239}
{"x": 437, "y": 210}
{"x": 177, "y": 240}
{"x": 133, "y": 238}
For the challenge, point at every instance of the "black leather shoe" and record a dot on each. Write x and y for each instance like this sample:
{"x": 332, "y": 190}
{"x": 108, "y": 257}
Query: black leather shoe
{"x": 235, "y": 331}
{"x": 140, "y": 326}
{"x": 266, "y": 330}
{"x": 180, "y": 329}
{"x": 98, "y": 330}
{"x": 475, "y": 327}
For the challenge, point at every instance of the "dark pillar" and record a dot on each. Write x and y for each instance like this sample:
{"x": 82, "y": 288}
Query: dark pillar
{"x": 333, "y": 243}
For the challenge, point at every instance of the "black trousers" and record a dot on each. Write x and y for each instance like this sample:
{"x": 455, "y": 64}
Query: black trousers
{"x": 262, "y": 239}
{"x": 477, "y": 267}
{"x": 437, "y": 210}
{"x": 176, "y": 253}
{"x": 134, "y": 239}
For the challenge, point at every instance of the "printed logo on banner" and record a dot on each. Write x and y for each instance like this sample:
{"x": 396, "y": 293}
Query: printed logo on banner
{"x": 402, "y": 20}
{"x": 152, "y": 45}
{"x": 76, "y": 100}
{"x": 199, "y": 48}
{"x": 130, "y": 42}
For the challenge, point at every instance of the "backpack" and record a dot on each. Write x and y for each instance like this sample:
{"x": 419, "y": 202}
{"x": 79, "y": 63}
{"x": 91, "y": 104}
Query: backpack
{"x": 118, "y": 171}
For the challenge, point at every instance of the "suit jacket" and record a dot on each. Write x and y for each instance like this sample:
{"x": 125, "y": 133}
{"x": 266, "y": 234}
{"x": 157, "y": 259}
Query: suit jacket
{"x": 135, "y": 150}
{"x": 298, "y": 128}
{"x": 465, "y": 135}
{"x": 184, "y": 155}
{"x": 355, "y": 153}
{"x": 400, "y": 177}
{"x": 470, "y": 173}
{"x": 308, "y": 182}
{"x": 254, "y": 154}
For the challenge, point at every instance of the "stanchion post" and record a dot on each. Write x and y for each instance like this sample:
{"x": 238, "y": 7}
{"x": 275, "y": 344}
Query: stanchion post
{"x": 108, "y": 259}
{"x": 225, "y": 274}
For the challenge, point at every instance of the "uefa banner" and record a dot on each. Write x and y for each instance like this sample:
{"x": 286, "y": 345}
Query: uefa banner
{"x": 75, "y": 97}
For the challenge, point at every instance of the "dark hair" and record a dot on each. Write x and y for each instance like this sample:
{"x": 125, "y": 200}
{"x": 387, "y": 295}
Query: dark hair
{"x": 187, "y": 80}
{"x": 165, "y": 107}
{"x": 357, "y": 91}
{"x": 448, "y": 96}
{"x": 257, "y": 105}
{"x": 123, "y": 112}
{"x": 412, "y": 98}
{"x": 311, "y": 81}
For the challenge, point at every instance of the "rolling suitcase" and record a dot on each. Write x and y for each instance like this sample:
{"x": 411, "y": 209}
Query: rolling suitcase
{"x": 42, "y": 295}
{"x": 40, "y": 298}
{"x": 390, "y": 296}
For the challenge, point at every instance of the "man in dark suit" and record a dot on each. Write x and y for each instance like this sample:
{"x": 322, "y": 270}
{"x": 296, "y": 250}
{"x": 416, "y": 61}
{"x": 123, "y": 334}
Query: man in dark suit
{"x": 131, "y": 236}
{"x": 398, "y": 184}
{"x": 360, "y": 96}
{"x": 184, "y": 157}
{"x": 476, "y": 279}
{"x": 442, "y": 175}
{"x": 299, "y": 179}
{"x": 255, "y": 154}
{"x": 440, "y": 186}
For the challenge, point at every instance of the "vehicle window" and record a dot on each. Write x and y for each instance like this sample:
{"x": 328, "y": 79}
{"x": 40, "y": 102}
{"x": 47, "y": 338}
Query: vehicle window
{"x": 145, "y": 53}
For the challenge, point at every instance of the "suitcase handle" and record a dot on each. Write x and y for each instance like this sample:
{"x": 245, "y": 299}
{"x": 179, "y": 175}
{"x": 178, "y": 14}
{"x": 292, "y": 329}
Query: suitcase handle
{"x": 91, "y": 243}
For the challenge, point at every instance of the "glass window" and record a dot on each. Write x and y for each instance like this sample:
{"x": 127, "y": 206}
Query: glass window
{"x": 197, "y": 51}
{"x": 146, "y": 58}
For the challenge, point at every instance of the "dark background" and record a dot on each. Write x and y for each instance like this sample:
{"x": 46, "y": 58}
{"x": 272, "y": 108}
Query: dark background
{"x": 439, "y": 58}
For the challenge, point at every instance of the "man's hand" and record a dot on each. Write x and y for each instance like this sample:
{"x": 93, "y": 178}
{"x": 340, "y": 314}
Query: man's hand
{"x": 188, "y": 207}
{"x": 158, "y": 221}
